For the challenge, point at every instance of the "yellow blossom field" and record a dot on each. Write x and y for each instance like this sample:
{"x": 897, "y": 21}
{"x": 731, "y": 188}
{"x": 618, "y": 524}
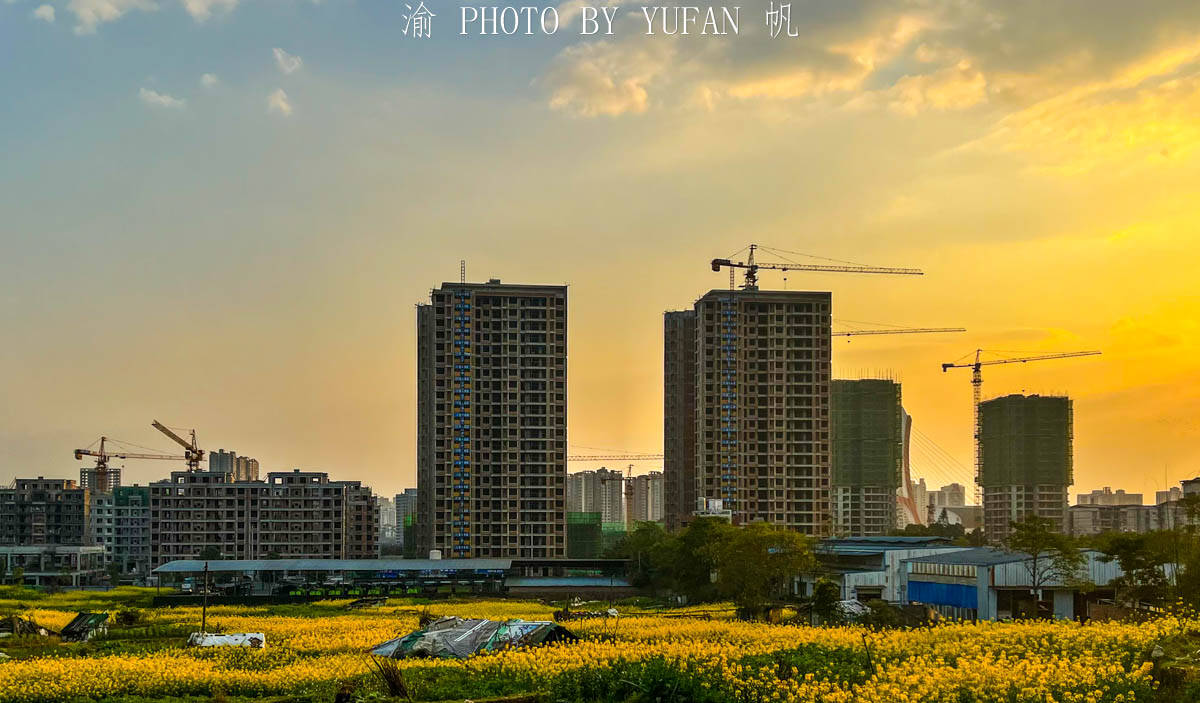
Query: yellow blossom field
{"x": 314, "y": 649}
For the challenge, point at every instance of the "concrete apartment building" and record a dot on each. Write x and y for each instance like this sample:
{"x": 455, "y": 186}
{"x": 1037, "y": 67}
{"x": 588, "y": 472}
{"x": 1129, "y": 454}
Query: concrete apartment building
{"x": 1107, "y": 496}
{"x": 100, "y": 479}
{"x": 1027, "y": 460}
{"x": 406, "y": 512}
{"x": 242, "y": 468}
{"x": 867, "y": 435}
{"x": 679, "y": 417}
{"x": 762, "y": 432}
{"x": 492, "y": 421}
{"x": 648, "y": 502}
{"x": 386, "y": 509}
{"x": 131, "y": 529}
{"x": 45, "y": 511}
{"x": 1093, "y": 518}
{"x": 600, "y": 491}
{"x": 297, "y": 514}
{"x": 953, "y": 495}
{"x": 102, "y": 522}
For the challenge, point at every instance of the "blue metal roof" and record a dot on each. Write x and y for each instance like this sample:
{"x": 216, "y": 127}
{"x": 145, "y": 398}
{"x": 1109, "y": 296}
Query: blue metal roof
{"x": 214, "y": 565}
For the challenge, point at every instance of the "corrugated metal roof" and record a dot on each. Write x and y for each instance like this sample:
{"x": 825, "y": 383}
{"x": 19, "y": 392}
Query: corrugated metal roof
{"x": 197, "y": 565}
{"x": 979, "y": 556}
{"x": 564, "y": 582}
{"x": 876, "y": 545}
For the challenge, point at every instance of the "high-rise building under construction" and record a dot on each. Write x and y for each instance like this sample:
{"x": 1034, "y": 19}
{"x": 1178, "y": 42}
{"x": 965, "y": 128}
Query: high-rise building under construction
{"x": 867, "y": 430}
{"x": 761, "y": 419}
{"x": 492, "y": 421}
{"x": 1026, "y": 460}
{"x": 679, "y": 417}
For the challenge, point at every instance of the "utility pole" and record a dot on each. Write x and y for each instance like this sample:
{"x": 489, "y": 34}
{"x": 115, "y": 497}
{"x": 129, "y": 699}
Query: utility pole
{"x": 204, "y": 606}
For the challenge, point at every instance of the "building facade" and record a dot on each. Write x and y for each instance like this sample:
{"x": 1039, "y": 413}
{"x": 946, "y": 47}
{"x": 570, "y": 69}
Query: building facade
{"x": 99, "y": 479}
{"x": 386, "y": 509}
{"x": 679, "y": 417}
{"x": 45, "y": 564}
{"x": 1027, "y": 460}
{"x": 762, "y": 406}
{"x": 131, "y": 529}
{"x": 242, "y": 468}
{"x": 1107, "y": 496}
{"x": 492, "y": 420}
{"x": 406, "y": 511}
{"x": 1094, "y": 518}
{"x": 45, "y": 511}
{"x": 647, "y": 503}
{"x": 867, "y": 431}
{"x": 600, "y": 491}
{"x": 297, "y": 514}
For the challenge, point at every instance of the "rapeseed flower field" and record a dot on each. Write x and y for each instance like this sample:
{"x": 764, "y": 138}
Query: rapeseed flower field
{"x": 313, "y": 649}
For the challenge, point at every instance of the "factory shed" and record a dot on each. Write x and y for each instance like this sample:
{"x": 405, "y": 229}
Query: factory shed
{"x": 987, "y": 583}
{"x": 869, "y": 568}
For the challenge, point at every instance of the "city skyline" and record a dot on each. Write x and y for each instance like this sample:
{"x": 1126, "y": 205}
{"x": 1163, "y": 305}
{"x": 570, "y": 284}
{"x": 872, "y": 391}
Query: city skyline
{"x": 223, "y": 219}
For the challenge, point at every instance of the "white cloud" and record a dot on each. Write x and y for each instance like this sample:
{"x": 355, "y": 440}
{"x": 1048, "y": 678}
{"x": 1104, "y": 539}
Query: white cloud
{"x": 287, "y": 63}
{"x": 278, "y": 102}
{"x": 604, "y": 78}
{"x": 201, "y": 10}
{"x": 91, "y": 13}
{"x": 956, "y": 87}
{"x": 44, "y": 13}
{"x": 209, "y": 80}
{"x": 157, "y": 99}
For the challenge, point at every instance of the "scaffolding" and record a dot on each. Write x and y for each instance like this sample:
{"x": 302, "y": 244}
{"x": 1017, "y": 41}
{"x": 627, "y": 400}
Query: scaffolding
{"x": 867, "y": 433}
{"x": 1026, "y": 440}
{"x": 584, "y": 535}
{"x": 867, "y": 442}
{"x": 728, "y": 454}
{"x": 460, "y": 526}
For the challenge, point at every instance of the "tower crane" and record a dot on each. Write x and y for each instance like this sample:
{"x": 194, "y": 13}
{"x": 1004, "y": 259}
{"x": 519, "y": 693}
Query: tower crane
{"x": 103, "y": 454}
{"x": 977, "y": 391}
{"x": 614, "y": 457}
{"x": 193, "y": 454}
{"x": 751, "y": 267}
{"x": 900, "y": 330}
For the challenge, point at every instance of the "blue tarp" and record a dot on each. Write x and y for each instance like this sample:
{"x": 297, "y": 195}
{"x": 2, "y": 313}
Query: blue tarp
{"x": 953, "y": 594}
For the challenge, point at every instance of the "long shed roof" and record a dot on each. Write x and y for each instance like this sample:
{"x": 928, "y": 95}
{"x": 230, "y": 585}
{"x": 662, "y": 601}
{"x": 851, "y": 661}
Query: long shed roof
{"x": 214, "y": 565}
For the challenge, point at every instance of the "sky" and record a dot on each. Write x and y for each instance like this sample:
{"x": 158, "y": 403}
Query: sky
{"x": 220, "y": 214}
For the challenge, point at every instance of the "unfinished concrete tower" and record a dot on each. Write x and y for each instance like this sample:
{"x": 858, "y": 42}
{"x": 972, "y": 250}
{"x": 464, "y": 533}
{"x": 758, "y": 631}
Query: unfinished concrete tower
{"x": 1026, "y": 462}
{"x": 867, "y": 428}
{"x": 492, "y": 421}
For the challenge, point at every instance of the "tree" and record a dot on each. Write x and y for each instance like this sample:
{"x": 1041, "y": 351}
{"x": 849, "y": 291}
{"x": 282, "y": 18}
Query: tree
{"x": 824, "y": 602}
{"x": 210, "y": 553}
{"x": 644, "y": 547}
{"x": 756, "y": 563}
{"x": 1053, "y": 557}
{"x": 1141, "y": 560}
{"x": 694, "y": 557}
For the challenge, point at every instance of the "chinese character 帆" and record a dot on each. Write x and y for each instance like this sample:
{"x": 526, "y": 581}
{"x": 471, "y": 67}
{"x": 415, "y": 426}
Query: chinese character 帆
{"x": 780, "y": 20}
